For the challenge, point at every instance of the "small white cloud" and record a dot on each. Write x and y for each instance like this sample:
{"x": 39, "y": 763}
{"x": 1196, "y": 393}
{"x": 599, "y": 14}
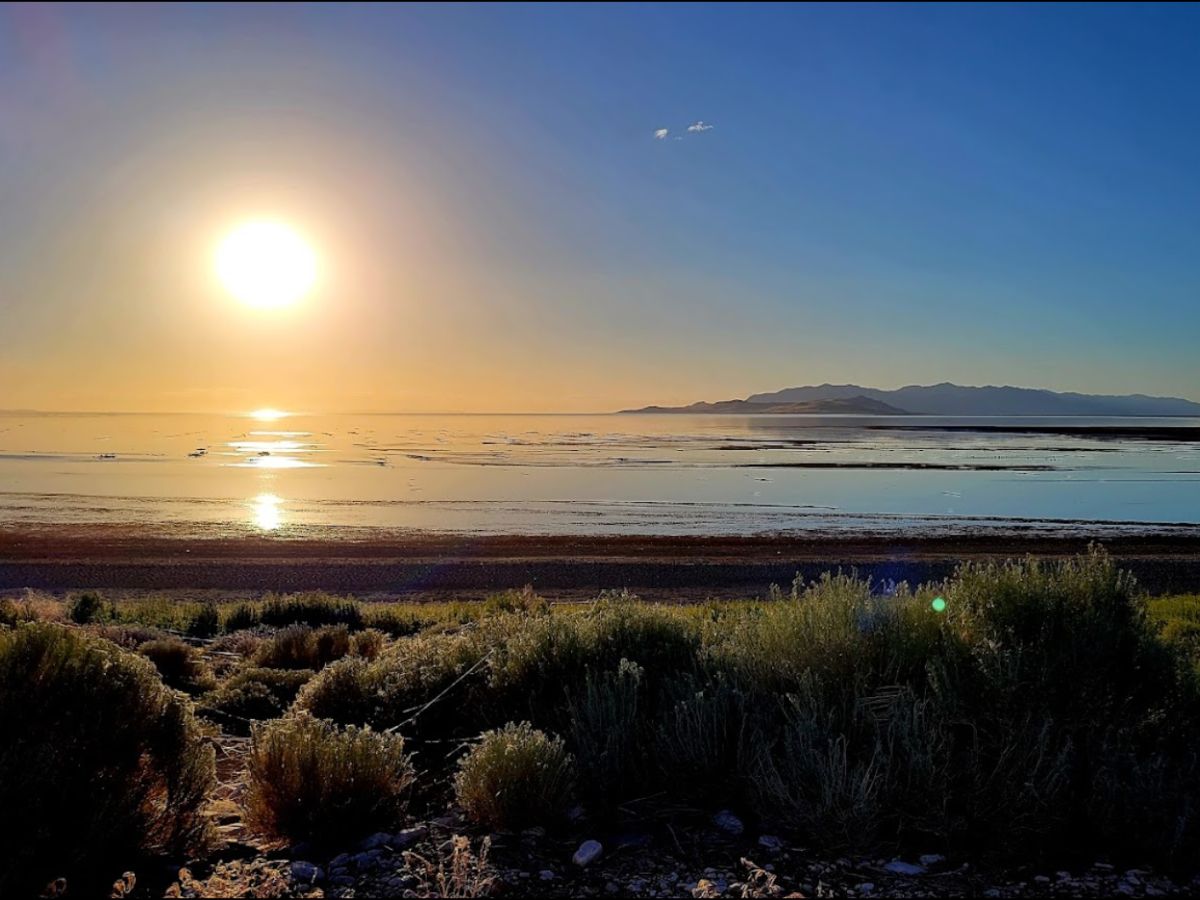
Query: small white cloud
{"x": 660, "y": 134}
{"x": 699, "y": 126}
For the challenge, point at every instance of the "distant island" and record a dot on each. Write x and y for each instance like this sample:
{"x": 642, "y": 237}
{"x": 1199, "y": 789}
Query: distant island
{"x": 943, "y": 399}
{"x": 858, "y": 405}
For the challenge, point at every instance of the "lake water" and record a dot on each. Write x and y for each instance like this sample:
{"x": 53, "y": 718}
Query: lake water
{"x": 540, "y": 474}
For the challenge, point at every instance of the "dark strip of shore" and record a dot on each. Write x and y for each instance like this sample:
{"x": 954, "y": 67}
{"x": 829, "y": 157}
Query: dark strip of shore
{"x": 1133, "y": 432}
{"x": 416, "y": 565}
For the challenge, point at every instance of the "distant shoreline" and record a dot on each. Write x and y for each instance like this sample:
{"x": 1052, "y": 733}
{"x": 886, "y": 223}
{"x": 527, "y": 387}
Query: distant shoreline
{"x": 685, "y": 568}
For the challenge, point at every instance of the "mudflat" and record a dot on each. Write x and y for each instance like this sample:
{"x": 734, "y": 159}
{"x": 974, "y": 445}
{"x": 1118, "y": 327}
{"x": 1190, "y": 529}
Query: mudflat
{"x": 374, "y": 562}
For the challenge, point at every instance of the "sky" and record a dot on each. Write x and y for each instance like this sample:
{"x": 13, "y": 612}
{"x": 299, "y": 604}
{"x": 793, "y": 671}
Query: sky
{"x": 589, "y": 207}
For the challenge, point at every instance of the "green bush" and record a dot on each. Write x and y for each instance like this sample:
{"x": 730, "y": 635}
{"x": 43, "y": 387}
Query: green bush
{"x": 253, "y": 695}
{"x": 700, "y": 738}
{"x": 311, "y": 781}
{"x": 101, "y": 763}
{"x": 128, "y": 637}
{"x": 241, "y": 617}
{"x": 313, "y": 609}
{"x": 302, "y": 647}
{"x": 179, "y": 665}
{"x": 610, "y": 734}
{"x": 205, "y": 622}
{"x": 368, "y": 644}
{"x": 432, "y": 686}
{"x": 522, "y": 601}
{"x": 83, "y": 609}
{"x": 516, "y": 777}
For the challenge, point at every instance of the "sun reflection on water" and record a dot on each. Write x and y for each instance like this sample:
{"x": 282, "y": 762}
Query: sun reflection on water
{"x": 266, "y": 512}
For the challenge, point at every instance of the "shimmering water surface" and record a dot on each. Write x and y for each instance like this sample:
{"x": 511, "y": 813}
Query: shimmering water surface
{"x": 668, "y": 474}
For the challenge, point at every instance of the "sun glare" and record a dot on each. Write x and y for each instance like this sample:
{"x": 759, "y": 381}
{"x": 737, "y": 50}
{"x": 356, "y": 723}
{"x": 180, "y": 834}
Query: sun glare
{"x": 266, "y": 265}
{"x": 266, "y": 513}
{"x": 266, "y": 414}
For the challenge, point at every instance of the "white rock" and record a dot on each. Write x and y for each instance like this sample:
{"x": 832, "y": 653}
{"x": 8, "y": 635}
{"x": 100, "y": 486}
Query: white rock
{"x": 588, "y": 853}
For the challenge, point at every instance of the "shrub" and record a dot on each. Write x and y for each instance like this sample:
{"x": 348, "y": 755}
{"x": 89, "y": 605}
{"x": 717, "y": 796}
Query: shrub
{"x": 253, "y": 695}
{"x": 610, "y": 735}
{"x": 516, "y": 777}
{"x": 427, "y": 685}
{"x": 13, "y": 613}
{"x": 522, "y": 601}
{"x": 128, "y": 637}
{"x": 537, "y": 658}
{"x": 314, "y": 609}
{"x": 100, "y": 761}
{"x": 241, "y": 617}
{"x": 238, "y": 643}
{"x": 311, "y": 781}
{"x": 205, "y": 622}
{"x": 83, "y": 609}
{"x": 699, "y": 739}
{"x": 395, "y": 622}
{"x": 302, "y": 647}
{"x": 368, "y": 644}
{"x": 179, "y": 665}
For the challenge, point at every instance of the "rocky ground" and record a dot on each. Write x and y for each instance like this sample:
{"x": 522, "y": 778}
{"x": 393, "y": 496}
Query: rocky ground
{"x": 719, "y": 858}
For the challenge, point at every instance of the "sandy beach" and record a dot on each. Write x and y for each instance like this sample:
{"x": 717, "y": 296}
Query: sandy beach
{"x": 371, "y": 562}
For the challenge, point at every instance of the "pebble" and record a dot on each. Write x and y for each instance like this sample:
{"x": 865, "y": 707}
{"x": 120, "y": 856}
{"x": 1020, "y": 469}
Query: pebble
{"x": 305, "y": 872}
{"x": 588, "y": 853}
{"x": 770, "y": 842}
{"x": 900, "y": 867}
{"x": 931, "y": 859}
{"x": 367, "y": 859}
{"x": 376, "y": 841}
{"x": 728, "y": 822}
{"x": 866, "y": 887}
{"x": 409, "y": 836}
{"x": 546, "y": 875}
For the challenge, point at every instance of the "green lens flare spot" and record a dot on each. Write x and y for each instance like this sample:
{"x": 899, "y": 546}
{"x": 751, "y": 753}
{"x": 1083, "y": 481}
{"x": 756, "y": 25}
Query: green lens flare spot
{"x": 939, "y": 604}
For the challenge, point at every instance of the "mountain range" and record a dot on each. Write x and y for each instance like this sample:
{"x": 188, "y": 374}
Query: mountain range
{"x": 943, "y": 399}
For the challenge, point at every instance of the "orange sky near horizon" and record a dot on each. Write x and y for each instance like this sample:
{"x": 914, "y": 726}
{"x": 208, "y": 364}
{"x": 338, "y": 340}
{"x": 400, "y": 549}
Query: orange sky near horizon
{"x": 502, "y": 224}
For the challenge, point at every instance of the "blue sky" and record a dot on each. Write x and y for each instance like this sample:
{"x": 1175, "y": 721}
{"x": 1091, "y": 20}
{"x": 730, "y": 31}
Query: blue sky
{"x": 887, "y": 195}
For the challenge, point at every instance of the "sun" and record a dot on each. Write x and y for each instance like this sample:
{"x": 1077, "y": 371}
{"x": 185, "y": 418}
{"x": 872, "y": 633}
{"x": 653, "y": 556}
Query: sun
{"x": 266, "y": 264}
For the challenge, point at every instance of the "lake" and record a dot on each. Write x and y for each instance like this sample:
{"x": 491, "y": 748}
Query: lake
{"x": 599, "y": 474}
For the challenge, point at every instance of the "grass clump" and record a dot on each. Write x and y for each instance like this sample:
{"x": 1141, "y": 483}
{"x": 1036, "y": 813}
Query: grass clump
{"x": 516, "y": 777}
{"x": 310, "y": 780}
{"x": 101, "y": 763}
{"x": 313, "y": 609}
{"x": 179, "y": 664}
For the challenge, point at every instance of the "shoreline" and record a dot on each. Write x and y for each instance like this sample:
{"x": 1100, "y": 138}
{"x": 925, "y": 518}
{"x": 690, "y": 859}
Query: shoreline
{"x": 375, "y": 562}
